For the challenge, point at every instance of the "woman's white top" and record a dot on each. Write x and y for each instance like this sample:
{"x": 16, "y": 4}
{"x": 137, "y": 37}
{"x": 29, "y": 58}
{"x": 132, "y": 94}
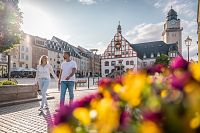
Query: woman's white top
{"x": 44, "y": 72}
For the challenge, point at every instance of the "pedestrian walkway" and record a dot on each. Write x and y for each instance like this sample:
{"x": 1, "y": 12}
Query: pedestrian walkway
{"x": 25, "y": 118}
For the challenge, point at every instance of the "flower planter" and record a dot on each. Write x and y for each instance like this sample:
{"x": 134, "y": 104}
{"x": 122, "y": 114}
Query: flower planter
{"x": 17, "y": 92}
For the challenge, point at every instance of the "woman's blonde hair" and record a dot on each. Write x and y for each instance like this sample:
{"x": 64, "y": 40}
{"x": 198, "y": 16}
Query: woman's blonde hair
{"x": 40, "y": 61}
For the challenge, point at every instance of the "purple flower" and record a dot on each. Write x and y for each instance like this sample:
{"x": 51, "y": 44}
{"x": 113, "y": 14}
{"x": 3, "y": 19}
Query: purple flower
{"x": 65, "y": 112}
{"x": 125, "y": 117}
{"x": 156, "y": 68}
{"x": 105, "y": 82}
{"x": 63, "y": 115}
{"x": 179, "y": 81}
{"x": 152, "y": 116}
{"x": 179, "y": 62}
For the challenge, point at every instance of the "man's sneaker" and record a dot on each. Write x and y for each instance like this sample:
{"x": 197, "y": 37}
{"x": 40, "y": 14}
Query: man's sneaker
{"x": 57, "y": 110}
{"x": 40, "y": 109}
{"x": 46, "y": 107}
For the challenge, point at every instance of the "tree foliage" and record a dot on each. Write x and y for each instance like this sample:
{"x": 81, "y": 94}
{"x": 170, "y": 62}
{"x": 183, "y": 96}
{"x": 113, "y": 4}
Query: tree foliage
{"x": 163, "y": 59}
{"x": 10, "y": 24}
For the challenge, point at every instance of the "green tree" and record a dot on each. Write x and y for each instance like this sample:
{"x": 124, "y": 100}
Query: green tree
{"x": 163, "y": 59}
{"x": 10, "y": 24}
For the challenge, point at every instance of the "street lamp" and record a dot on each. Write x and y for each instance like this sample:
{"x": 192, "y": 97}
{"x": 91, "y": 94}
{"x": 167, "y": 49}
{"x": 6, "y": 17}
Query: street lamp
{"x": 93, "y": 68}
{"x": 188, "y": 42}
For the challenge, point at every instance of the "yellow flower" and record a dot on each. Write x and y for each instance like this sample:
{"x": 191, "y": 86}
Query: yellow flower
{"x": 195, "y": 122}
{"x": 82, "y": 114}
{"x": 62, "y": 128}
{"x": 149, "y": 127}
{"x": 107, "y": 116}
{"x": 117, "y": 88}
{"x": 133, "y": 86}
{"x": 195, "y": 70}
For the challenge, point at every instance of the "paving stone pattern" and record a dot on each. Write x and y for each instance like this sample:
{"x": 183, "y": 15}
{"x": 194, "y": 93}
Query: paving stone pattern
{"x": 25, "y": 118}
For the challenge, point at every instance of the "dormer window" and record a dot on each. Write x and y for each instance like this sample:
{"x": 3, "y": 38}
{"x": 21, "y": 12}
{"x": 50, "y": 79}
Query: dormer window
{"x": 144, "y": 56}
{"x": 158, "y": 54}
{"x": 152, "y": 55}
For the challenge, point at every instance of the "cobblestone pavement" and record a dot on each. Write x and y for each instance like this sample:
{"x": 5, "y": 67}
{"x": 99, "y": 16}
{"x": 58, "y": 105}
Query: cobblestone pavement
{"x": 25, "y": 118}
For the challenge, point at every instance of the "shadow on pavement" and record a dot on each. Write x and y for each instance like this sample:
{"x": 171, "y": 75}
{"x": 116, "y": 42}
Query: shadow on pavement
{"x": 47, "y": 116}
{"x": 20, "y": 107}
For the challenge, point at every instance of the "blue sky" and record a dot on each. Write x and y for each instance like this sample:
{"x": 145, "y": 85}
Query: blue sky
{"x": 93, "y": 23}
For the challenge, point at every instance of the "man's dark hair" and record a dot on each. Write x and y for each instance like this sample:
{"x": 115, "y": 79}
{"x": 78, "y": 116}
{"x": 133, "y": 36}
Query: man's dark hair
{"x": 66, "y": 52}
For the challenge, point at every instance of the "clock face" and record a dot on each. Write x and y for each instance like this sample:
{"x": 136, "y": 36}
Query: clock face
{"x": 173, "y": 22}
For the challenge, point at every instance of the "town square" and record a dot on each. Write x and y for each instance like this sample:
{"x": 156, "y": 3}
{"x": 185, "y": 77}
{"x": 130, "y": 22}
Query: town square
{"x": 99, "y": 66}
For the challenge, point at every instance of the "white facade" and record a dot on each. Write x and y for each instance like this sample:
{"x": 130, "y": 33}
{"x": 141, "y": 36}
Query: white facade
{"x": 21, "y": 55}
{"x": 108, "y": 65}
{"x": 119, "y": 52}
{"x": 148, "y": 62}
{"x": 55, "y": 59}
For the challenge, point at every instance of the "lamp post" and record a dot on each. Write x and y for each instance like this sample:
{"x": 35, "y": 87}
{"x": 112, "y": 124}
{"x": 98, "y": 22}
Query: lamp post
{"x": 94, "y": 51}
{"x": 188, "y": 42}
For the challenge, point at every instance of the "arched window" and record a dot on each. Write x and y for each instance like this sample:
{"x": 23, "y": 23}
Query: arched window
{"x": 106, "y": 63}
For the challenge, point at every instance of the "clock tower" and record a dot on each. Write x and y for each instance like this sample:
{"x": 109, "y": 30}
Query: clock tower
{"x": 172, "y": 30}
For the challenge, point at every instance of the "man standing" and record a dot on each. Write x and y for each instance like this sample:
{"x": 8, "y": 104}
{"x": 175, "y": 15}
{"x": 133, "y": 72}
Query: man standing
{"x": 67, "y": 78}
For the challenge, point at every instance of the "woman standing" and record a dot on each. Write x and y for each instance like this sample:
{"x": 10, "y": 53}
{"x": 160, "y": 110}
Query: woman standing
{"x": 42, "y": 79}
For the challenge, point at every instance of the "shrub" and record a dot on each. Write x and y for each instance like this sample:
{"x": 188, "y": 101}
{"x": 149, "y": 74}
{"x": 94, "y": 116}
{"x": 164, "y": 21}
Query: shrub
{"x": 7, "y": 82}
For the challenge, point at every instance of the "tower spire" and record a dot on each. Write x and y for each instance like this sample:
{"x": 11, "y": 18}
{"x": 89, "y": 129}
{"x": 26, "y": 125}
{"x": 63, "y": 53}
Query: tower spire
{"x": 119, "y": 29}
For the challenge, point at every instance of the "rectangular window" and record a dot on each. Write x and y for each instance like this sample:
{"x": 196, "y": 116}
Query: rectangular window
{"x": 131, "y": 62}
{"x": 144, "y": 64}
{"x": 127, "y": 62}
{"x": 22, "y": 55}
{"x": 22, "y": 48}
{"x": 113, "y": 63}
{"x": 106, "y": 71}
{"x": 152, "y": 62}
{"x": 26, "y": 57}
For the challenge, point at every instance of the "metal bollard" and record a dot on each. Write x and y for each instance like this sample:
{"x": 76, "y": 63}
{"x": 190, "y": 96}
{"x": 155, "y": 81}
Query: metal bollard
{"x": 75, "y": 85}
{"x": 88, "y": 83}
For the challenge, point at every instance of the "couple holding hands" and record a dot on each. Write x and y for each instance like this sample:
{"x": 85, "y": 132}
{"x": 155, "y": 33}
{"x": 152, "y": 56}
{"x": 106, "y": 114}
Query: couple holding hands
{"x": 66, "y": 78}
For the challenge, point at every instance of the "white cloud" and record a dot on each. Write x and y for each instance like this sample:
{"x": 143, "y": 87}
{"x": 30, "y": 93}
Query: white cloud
{"x": 145, "y": 33}
{"x": 157, "y": 4}
{"x": 87, "y": 2}
{"x": 153, "y": 32}
{"x": 182, "y": 7}
{"x": 101, "y": 46}
{"x": 190, "y": 29}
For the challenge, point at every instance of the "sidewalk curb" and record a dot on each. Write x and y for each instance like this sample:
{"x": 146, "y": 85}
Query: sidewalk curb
{"x": 5, "y": 104}
{"x": 67, "y": 90}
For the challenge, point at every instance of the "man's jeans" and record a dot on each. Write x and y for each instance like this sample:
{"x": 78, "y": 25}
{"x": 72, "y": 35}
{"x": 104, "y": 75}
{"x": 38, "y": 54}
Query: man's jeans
{"x": 64, "y": 86}
{"x": 43, "y": 86}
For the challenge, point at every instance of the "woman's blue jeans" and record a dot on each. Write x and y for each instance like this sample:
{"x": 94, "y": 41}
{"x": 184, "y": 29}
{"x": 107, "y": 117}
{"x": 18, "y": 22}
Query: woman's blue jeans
{"x": 43, "y": 86}
{"x": 64, "y": 86}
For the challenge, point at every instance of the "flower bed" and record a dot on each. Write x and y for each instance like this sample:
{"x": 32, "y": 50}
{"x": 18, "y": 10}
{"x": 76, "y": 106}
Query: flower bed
{"x": 157, "y": 100}
{"x": 17, "y": 92}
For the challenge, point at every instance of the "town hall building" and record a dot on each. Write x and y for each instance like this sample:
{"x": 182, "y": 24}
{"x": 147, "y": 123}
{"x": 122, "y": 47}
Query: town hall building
{"x": 121, "y": 53}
